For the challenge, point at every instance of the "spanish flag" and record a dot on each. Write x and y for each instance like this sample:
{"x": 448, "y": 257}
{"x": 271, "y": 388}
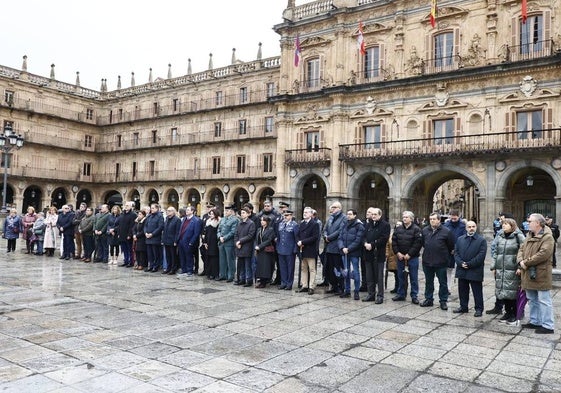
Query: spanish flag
{"x": 360, "y": 40}
{"x": 524, "y": 11}
{"x": 433, "y": 13}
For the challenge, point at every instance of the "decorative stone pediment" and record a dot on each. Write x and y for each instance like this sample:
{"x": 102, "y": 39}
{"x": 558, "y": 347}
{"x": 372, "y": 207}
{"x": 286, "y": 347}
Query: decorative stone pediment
{"x": 373, "y": 28}
{"x": 378, "y": 112}
{"x": 444, "y": 13}
{"x": 311, "y": 116}
{"x": 442, "y": 114}
{"x": 520, "y": 96}
{"x": 314, "y": 41}
{"x": 439, "y": 103}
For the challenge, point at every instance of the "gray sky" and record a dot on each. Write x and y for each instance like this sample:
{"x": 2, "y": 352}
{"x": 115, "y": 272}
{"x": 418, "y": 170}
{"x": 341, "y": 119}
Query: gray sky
{"x": 103, "y": 39}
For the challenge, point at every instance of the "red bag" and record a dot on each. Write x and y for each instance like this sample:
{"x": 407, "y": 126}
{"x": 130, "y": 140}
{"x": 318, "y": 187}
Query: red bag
{"x": 269, "y": 248}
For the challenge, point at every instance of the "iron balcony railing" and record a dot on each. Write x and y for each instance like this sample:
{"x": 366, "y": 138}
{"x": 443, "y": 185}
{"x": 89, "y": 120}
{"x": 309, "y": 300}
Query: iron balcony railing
{"x": 461, "y": 145}
{"x": 528, "y": 51}
{"x": 319, "y": 156}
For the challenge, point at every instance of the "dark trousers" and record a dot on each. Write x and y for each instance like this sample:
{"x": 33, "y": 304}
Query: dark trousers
{"x": 510, "y": 307}
{"x": 126, "y": 248}
{"x": 154, "y": 253}
{"x": 440, "y": 273}
{"x": 334, "y": 262}
{"x": 187, "y": 258}
{"x": 463, "y": 293}
{"x": 375, "y": 278}
{"x": 172, "y": 258}
{"x": 68, "y": 245}
{"x": 88, "y": 245}
{"x": 102, "y": 248}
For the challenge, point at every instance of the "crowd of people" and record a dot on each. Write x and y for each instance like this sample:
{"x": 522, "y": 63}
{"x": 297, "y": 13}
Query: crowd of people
{"x": 257, "y": 249}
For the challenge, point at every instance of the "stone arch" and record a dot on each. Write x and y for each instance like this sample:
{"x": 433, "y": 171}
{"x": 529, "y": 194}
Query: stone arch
{"x": 517, "y": 166}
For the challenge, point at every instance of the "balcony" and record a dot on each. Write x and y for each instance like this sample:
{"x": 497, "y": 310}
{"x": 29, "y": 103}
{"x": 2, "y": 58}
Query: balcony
{"x": 183, "y": 175}
{"x": 320, "y": 156}
{"x": 192, "y": 138}
{"x": 529, "y": 51}
{"x": 457, "y": 146}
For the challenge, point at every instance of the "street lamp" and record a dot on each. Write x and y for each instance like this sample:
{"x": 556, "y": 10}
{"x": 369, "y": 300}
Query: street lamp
{"x": 7, "y": 142}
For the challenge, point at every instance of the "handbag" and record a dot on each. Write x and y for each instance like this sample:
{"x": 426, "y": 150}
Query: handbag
{"x": 269, "y": 248}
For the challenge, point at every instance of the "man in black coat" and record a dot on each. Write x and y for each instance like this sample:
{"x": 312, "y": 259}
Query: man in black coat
{"x": 307, "y": 242}
{"x": 65, "y": 225}
{"x": 438, "y": 243}
{"x": 376, "y": 236}
{"x": 469, "y": 255}
{"x": 126, "y": 224}
{"x": 407, "y": 241}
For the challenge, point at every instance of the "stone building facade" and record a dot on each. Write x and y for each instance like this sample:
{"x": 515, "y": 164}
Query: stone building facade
{"x": 465, "y": 113}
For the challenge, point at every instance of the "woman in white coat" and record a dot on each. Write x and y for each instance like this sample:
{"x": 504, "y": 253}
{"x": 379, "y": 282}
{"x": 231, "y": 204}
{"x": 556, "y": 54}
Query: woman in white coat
{"x": 51, "y": 231}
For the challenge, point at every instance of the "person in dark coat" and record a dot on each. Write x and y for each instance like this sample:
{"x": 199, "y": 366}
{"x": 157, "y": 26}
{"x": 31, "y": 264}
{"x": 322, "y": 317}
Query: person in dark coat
{"x": 504, "y": 266}
{"x": 139, "y": 239}
{"x": 86, "y": 228}
{"x": 66, "y": 228}
{"x": 438, "y": 243}
{"x": 78, "y": 216}
{"x": 333, "y": 259}
{"x": 153, "y": 228}
{"x": 243, "y": 240}
{"x": 126, "y": 224}
{"x": 287, "y": 235}
{"x": 100, "y": 233}
{"x": 13, "y": 226}
{"x": 113, "y": 234}
{"x": 170, "y": 234}
{"x": 458, "y": 228}
{"x": 188, "y": 241}
{"x": 265, "y": 251}
{"x": 407, "y": 241}
{"x": 469, "y": 254}
{"x": 307, "y": 242}
{"x": 210, "y": 243}
{"x": 376, "y": 236}
{"x": 350, "y": 242}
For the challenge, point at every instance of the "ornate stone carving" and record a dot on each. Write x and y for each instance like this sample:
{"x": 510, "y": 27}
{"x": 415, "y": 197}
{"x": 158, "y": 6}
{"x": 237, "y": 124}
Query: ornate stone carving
{"x": 415, "y": 63}
{"x": 370, "y": 105}
{"x": 475, "y": 53}
{"x": 528, "y": 86}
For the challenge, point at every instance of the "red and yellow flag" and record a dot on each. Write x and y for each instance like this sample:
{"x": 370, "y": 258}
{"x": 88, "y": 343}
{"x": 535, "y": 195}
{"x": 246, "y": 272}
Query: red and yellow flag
{"x": 524, "y": 11}
{"x": 360, "y": 40}
{"x": 433, "y": 13}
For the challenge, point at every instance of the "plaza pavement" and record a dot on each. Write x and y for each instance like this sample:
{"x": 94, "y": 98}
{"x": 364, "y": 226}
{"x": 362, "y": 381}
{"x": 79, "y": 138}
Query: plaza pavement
{"x": 68, "y": 326}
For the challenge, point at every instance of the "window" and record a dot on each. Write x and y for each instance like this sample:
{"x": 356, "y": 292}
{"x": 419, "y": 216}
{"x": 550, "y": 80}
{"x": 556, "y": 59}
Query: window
{"x": 136, "y": 111}
{"x": 136, "y": 138}
{"x": 121, "y": 114}
{"x": 9, "y": 97}
{"x": 529, "y": 124}
{"x": 243, "y": 95}
{"x": 312, "y": 141}
{"x": 240, "y": 164}
{"x": 243, "y": 126}
{"x": 87, "y": 169}
{"x": 531, "y": 35}
{"x": 372, "y": 62}
{"x": 268, "y": 162}
{"x": 270, "y": 89}
{"x": 372, "y": 136}
{"x": 89, "y": 114}
{"x": 117, "y": 170}
{"x": 312, "y": 73}
{"x": 174, "y": 135}
{"x": 443, "y": 131}
{"x": 269, "y": 124}
{"x": 175, "y": 104}
{"x": 154, "y": 136}
{"x": 88, "y": 141}
{"x": 217, "y": 129}
{"x": 156, "y": 108}
{"x": 151, "y": 167}
{"x": 219, "y": 98}
{"x": 110, "y": 117}
{"x": 444, "y": 49}
{"x": 119, "y": 140}
{"x": 134, "y": 169}
{"x": 8, "y": 163}
{"x": 215, "y": 165}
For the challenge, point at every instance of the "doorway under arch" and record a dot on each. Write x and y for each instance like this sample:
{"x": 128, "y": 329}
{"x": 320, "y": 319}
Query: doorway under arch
{"x": 314, "y": 194}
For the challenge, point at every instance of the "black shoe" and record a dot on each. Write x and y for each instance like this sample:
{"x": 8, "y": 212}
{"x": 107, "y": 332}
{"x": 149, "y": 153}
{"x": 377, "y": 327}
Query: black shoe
{"x": 393, "y": 290}
{"x": 282, "y": 287}
{"x": 443, "y": 306}
{"x": 323, "y": 284}
{"x": 310, "y": 291}
{"x": 362, "y": 288}
{"x": 494, "y": 310}
{"x": 530, "y": 326}
{"x": 379, "y": 300}
{"x": 415, "y": 301}
{"x": 239, "y": 282}
{"x": 276, "y": 282}
{"x": 459, "y": 310}
{"x": 356, "y": 297}
{"x": 303, "y": 289}
{"x": 229, "y": 280}
{"x": 478, "y": 313}
{"x": 426, "y": 303}
{"x": 202, "y": 274}
{"x": 123, "y": 264}
{"x": 369, "y": 298}
{"x": 504, "y": 318}
{"x": 163, "y": 271}
{"x": 332, "y": 290}
{"x": 248, "y": 284}
{"x": 61, "y": 258}
{"x": 345, "y": 294}
{"x": 542, "y": 330}
{"x": 398, "y": 298}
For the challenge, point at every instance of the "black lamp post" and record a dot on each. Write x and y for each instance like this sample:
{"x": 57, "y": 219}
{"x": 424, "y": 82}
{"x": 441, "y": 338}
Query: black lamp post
{"x": 7, "y": 142}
